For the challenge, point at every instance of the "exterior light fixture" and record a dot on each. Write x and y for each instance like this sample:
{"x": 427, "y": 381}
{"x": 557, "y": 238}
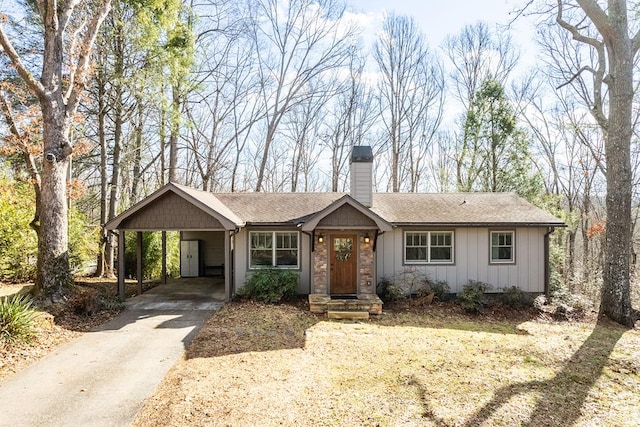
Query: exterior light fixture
{"x": 320, "y": 238}
{"x": 366, "y": 238}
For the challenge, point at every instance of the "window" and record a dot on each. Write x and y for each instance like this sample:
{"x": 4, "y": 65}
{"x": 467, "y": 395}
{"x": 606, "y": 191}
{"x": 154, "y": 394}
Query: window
{"x": 273, "y": 249}
{"x": 428, "y": 247}
{"x": 502, "y": 247}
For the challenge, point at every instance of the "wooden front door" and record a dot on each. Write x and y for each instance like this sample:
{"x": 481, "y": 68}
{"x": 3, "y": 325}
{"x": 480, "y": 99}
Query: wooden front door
{"x": 343, "y": 263}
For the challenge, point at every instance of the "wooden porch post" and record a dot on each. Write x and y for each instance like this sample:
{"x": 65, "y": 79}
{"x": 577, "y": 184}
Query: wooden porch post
{"x": 227, "y": 266}
{"x": 164, "y": 257}
{"x": 139, "y": 260}
{"x": 121, "y": 269}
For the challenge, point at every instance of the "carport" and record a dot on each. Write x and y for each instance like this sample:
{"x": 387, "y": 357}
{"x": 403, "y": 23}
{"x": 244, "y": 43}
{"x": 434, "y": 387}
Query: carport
{"x": 198, "y": 216}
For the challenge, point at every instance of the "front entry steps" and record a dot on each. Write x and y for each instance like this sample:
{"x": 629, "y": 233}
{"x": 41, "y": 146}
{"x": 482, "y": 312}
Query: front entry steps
{"x": 343, "y": 308}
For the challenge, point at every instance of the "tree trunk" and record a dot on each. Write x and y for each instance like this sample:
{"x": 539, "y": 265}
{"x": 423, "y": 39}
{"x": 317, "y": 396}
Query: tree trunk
{"x": 54, "y": 275}
{"x": 137, "y": 155}
{"x": 616, "y": 297}
{"x": 173, "y": 136}
{"x": 102, "y": 268}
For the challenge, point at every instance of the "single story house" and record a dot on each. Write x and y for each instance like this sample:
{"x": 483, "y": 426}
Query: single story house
{"x": 342, "y": 244}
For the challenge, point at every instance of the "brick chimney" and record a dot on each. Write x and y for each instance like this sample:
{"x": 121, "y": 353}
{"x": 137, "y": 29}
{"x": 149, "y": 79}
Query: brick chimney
{"x": 362, "y": 175}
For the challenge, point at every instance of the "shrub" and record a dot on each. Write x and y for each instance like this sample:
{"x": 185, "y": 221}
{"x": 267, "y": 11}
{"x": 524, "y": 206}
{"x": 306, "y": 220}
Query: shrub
{"x": 440, "y": 288}
{"x": 18, "y": 241}
{"x": 411, "y": 282}
{"x": 83, "y": 241}
{"x": 271, "y": 285}
{"x": 515, "y": 297}
{"x": 17, "y": 318}
{"x": 152, "y": 254}
{"x": 388, "y": 291}
{"x": 472, "y": 297}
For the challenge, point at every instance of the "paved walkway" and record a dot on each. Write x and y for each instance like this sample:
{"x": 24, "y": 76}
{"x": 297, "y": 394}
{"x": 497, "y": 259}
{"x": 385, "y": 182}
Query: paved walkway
{"x": 103, "y": 378}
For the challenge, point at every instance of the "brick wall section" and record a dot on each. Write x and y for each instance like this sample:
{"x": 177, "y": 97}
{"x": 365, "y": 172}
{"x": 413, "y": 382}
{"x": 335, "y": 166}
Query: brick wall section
{"x": 320, "y": 270}
{"x": 367, "y": 281}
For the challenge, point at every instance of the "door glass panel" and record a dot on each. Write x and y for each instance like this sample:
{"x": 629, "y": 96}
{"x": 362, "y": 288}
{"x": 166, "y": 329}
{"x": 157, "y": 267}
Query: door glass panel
{"x": 343, "y": 247}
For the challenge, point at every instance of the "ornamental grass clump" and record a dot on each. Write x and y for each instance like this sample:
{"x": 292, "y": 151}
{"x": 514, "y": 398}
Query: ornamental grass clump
{"x": 17, "y": 318}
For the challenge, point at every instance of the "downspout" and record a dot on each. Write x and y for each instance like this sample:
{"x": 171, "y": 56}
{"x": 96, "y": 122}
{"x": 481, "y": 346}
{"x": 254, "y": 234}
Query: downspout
{"x": 547, "y": 266}
{"x": 231, "y": 267}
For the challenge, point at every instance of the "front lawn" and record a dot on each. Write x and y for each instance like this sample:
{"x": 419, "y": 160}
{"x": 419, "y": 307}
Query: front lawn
{"x": 280, "y": 365}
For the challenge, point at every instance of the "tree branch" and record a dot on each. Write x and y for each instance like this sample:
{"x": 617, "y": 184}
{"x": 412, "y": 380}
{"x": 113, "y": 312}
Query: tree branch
{"x": 575, "y": 33}
{"x": 29, "y": 79}
{"x": 599, "y": 18}
{"x": 635, "y": 43}
{"x": 595, "y": 13}
{"x": 82, "y": 66}
{"x": 576, "y": 75}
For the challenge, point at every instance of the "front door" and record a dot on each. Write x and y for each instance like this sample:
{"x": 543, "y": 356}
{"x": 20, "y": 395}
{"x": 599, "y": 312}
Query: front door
{"x": 343, "y": 264}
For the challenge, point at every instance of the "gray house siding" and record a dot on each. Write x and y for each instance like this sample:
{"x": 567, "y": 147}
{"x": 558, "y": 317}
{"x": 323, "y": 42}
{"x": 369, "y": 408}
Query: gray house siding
{"x": 471, "y": 259}
{"x": 241, "y": 258}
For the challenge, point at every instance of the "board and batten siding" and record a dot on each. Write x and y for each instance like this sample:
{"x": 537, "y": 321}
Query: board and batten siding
{"x": 212, "y": 243}
{"x": 241, "y": 259}
{"x": 471, "y": 259}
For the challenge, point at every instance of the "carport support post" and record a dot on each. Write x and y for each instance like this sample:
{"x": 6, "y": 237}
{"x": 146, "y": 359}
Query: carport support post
{"x": 121, "y": 263}
{"x": 139, "y": 260}
{"x": 164, "y": 257}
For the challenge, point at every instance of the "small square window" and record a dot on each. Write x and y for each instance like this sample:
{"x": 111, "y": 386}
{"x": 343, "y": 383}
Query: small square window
{"x": 502, "y": 247}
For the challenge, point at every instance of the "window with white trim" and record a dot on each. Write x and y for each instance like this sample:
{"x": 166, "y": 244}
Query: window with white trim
{"x": 502, "y": 247}
{"x": 428, "y": 247}
{"x": 273, "y": 249}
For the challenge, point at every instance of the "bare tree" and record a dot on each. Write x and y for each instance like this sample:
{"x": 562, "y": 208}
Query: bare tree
{"x": 477, "y": 54}
{"x": 69, "y": 32}
{"x": 604, "y": 32}
{"x": 349, "y": 121}
{"x": 411, "y": 96}
{"x": 297, "y": 42}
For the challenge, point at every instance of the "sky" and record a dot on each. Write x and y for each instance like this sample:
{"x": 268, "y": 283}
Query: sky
{"x": 439, "y": 18}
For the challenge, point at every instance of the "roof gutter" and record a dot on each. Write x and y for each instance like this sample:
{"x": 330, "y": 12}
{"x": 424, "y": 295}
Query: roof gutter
{"x": 478, "y": 224}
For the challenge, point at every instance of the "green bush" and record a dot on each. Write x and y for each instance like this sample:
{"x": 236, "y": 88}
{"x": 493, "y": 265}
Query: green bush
{"x": 83, "y": 241}
{"x": 18, "y": 241}
{"x": 516, "y": 298}
{"x": 388, "y": 291}
{"x": 152, "y": 254}
{"x": 440, "y": 288}
{"x": 271, "y": 285}
{"x": 17, "y": 318}
{"x": 472, "y": 297}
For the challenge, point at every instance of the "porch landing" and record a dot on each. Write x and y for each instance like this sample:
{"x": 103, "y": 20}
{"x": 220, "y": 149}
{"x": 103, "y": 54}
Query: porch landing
{"x": 364, "y": 304}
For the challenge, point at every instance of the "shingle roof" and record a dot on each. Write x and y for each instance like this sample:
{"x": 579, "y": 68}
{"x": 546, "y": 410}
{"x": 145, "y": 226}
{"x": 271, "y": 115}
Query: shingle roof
{"x": 445, "y": 209}
{"x": 460, "y": 208}
{"x": 272, "y": 208}
{"x": 396, "y": 208}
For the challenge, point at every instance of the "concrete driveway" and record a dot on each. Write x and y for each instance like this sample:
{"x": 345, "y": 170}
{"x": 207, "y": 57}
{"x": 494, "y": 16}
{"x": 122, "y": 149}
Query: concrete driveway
{"x": 104, "y": 377}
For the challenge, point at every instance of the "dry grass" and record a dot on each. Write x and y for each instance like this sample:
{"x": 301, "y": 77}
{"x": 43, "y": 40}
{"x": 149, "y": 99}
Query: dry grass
{"x": 279, "y": 365}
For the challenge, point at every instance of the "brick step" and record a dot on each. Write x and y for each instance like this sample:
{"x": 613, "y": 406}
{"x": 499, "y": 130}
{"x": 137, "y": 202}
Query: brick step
{"x": 331, "y": 314}
{"x": 322, "y": 303}
{"x": 349, "y": 305}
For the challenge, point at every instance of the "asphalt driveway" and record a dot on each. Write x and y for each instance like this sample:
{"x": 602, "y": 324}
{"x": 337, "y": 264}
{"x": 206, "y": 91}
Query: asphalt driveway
{"x": 103, "y": 378}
